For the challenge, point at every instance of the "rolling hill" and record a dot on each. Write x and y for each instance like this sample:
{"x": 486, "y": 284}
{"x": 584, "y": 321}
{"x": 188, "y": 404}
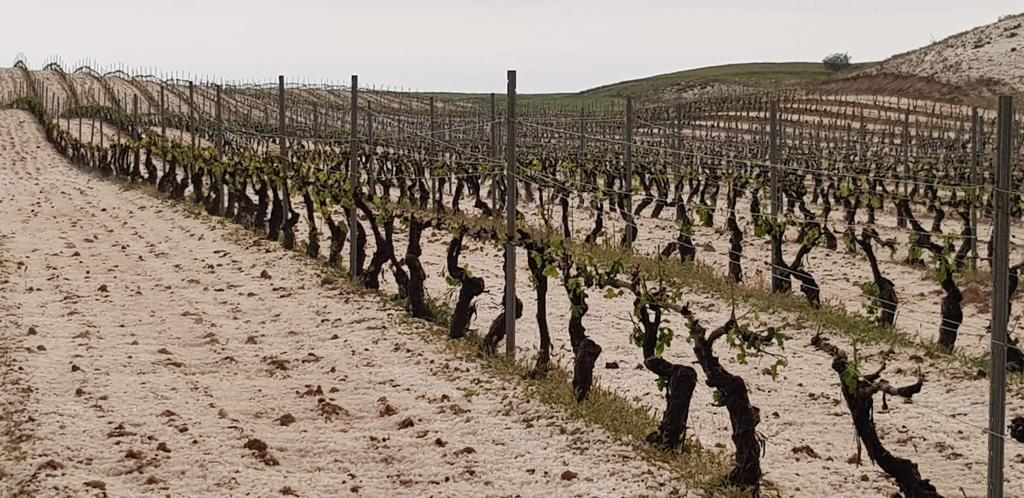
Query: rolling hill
{"x": 983, "y": 61}
{"x": 691, "y": 81}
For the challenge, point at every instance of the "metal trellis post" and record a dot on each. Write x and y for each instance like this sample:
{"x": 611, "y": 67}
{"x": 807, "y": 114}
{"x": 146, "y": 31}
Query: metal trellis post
{"x": 1000, "y": 300}
{"x": 191, "y": 113}
{"x": 494, "y": 153}
{"x": 510, "y": 207}
{"x": 628, "y": 179}
{"x": 163, "y": 123}
{"x": 432, "y": 160}
{"x": 220, "y": 152}
{"x": 975, "y": 160}
{"x": 353, "y": 178}
{"x": 773, "y": 157}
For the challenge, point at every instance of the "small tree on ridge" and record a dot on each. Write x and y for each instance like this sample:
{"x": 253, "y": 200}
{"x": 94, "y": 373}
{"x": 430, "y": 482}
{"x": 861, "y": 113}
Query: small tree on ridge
{"x": 837, "y": 62}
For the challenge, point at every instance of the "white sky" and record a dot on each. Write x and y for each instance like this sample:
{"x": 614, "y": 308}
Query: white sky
{"x": 466, "y": 45}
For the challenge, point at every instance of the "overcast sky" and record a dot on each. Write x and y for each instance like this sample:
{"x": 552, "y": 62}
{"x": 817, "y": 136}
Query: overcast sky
{"x": 466, "y": 45}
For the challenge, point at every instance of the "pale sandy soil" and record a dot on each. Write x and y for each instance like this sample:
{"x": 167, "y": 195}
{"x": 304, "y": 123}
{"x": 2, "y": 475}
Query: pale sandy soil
{"x": 839, "y": 273}
{"x": 88, "y": 89}
{"x": 56, "y": 91}
{"x": 140, "y": 351}
{"x": 183, "y": 136}
{"x": 942, "y": 429}
{"x": 806, "y": 116}
{"x": 800, "y": 111}
{"x": 125, "y": 91}
{"x": 931, "y": 108}
{"x": 10, "y": 78}
{"x": 171, "y": 98}
{"x": 992, "y": 52}
{"x": 92, "y": 129}
{"x": 797, "y": 116}
{"x": 903, "y": 103}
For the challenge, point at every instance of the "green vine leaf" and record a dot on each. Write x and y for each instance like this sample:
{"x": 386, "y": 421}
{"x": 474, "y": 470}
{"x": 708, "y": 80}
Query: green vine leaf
{"x": 850, "y": 377}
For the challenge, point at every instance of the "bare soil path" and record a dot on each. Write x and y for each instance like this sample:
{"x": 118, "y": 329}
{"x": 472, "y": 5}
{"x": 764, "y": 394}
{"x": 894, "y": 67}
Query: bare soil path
{"x": 143, "y": 352}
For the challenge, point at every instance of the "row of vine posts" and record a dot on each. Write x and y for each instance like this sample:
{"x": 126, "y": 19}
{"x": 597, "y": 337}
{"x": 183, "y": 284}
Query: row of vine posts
{"x": 1000, "y": 265}
{"x": 1001, "y": 222}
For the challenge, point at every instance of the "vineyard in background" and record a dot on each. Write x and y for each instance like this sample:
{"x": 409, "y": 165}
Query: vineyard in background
{"x": 762, "y": 237}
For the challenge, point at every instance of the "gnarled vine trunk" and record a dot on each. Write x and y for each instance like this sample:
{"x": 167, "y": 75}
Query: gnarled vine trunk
{"x": 859, "y": 400}
{"x": 469, "y": 288}
{"x": 743, "y": 416}
{"x": 680, "y": 382}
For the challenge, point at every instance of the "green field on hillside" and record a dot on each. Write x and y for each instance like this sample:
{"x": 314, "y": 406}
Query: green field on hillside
{"x": 758, "y": 74}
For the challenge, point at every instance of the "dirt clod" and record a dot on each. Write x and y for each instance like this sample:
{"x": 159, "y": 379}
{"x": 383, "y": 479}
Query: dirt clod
{"x": 387, "y": 410}
{"x": 96, "y": 484}
{"x": 330, "y": 411}
{"x": 260, "y": 451}
{"x": 313, "y": 391}
{"x": 805, "y": 450}
{"x": 255, "y": 445}
{"x": 468, "y": 450}
{"x": 51, "y": 465}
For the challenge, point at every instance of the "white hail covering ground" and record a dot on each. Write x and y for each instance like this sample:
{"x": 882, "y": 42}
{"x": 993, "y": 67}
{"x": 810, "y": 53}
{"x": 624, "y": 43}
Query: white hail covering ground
{"x": 140, "y": 351}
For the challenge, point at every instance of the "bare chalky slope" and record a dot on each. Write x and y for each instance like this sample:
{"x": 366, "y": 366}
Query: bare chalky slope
{"x": 990, "y": 55}
{"x": 143, "y": 352}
